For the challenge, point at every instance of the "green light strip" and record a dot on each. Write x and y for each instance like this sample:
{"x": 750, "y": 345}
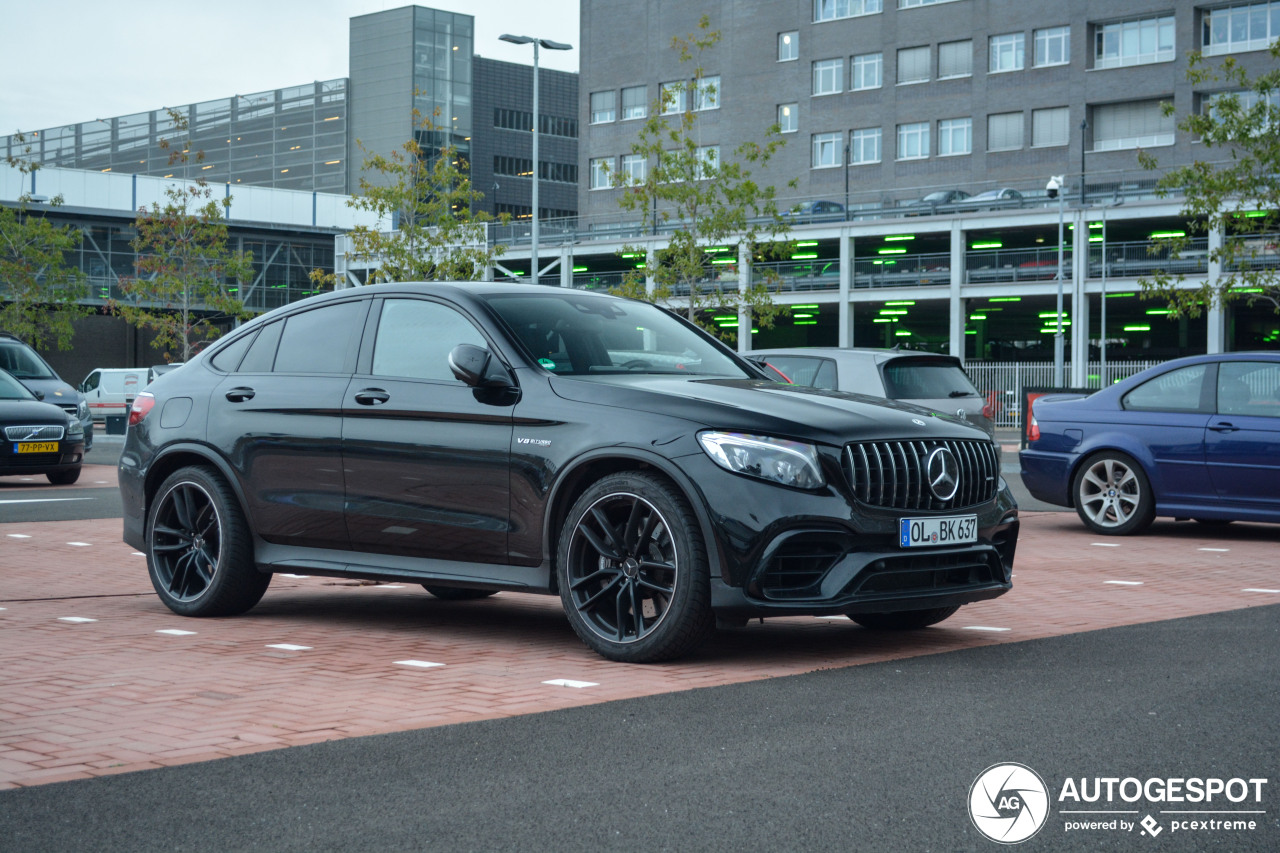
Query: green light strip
{"x": 891, "y": 251}
{"x": 805, "y": 257}
{"x": 898, "y": 238}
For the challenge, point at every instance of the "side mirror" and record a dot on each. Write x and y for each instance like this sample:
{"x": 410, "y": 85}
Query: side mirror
{"x": 477, "y": 367}
{"x": 39, "y": 395}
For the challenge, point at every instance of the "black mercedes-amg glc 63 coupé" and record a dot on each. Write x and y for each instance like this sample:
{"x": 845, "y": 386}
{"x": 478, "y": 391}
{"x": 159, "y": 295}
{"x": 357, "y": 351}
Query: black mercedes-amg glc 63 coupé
{"x": 478, "y": 437}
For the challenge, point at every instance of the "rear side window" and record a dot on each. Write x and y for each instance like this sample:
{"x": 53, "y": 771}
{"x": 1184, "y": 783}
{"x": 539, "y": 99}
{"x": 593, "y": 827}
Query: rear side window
{"x": 1176, "y": 391}
{"x": 920, "y": 379}
{"x": 319, "y": 340}
{"x": 805, "y": 370}
{"x": 228, "y": 358}
{"x": 262, "y": 354}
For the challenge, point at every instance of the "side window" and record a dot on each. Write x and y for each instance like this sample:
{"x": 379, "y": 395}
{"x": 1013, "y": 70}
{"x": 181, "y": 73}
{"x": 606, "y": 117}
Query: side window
{"x": 262, "y": 353}
{"x": 91, "y": 382}
{"x": 228, "y": 358}
{"x": 1176, "y": 391}
{"x": 319, "y": 340}
{"x": 826, "y": 377}
{"x": 803, "y": 370}
{"x": 415, "y": 337}
{"x": 1249, "y": 388}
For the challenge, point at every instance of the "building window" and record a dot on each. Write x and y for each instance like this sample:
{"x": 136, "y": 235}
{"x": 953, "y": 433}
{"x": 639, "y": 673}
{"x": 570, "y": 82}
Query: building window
{"x": 864, "y": 146}
{"x": 672, "y": 97}
{"x": 868, "y": 71}
{"x": 913, "y": 141}
{"x": 955, "y": 59}
{"x": 1004, "y": 132}
{"x": 1234, "y": 29}
{"x": 788, "y": 118}
{"x": 708, "y": 160}
{"x": 1053, "y": 46}
{"x": 826, "y": 150}
{"x": 788, "y": 46}
{"x": 634, "y": 102}
{"x": 1139, "y": 42}
{"x": 1136, "y": 124}
{"x": 911, "y": 4}
{"x": 827, "y": 74}
{"x": 1050, "y": 127}
{"x": 1008, "y": 52}
{"x": 1247, "y": 99}
{"x": 523, "y": 120}
{"x": 634, "y": 169}
{"x": 706, "y": 95}
{"x": 913, "y": 64}
{"x": 955, "y": 136}
{"x": 601, "y": 169}
{"x": 831, "y": 10}
{"x": 603, "y": 107}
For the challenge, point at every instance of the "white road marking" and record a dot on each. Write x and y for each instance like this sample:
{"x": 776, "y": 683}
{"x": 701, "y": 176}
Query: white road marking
{"x": 566, "y": 682}
{"x": 983, "y": 628}
{"x": 289, "y": 647}
{"x": 295, "y": 576}
{"x": 1255, "y": 589}
{"x": 421, "y": 664}
{"x": 76, "y": 619}
{"x": 1105, "y": 544}
{"x": 81, "y": 544}
{"x": 19, "y": 536}
{"x": 1216, "y": 550}
{"x": 175, "y": 632}
{"x": 42, "y": 500}
{"x": 1125, "y": 583}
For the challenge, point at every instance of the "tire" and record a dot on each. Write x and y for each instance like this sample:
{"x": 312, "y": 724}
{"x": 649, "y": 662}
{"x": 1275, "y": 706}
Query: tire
{"x": 457, "y": 593}
{"x": 64, "y": 478}
{"x": 632, "y": 570}
{"x": 904, "y": 620}
{"x": 199, "y": 553}
{"x": 1112, "y": 494}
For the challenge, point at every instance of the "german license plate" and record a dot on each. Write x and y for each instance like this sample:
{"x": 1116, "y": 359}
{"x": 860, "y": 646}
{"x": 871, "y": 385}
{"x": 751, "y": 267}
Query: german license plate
{"x": 946, "y": 530}
{"x": 35, "y": 447}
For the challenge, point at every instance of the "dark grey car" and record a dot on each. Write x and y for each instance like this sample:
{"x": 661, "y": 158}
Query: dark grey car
{"x": 932, "y": 381}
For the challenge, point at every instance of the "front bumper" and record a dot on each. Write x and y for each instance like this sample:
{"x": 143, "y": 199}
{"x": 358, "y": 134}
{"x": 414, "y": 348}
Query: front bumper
{"x": 70, "y": 455}
{"x": 784, "y": 552}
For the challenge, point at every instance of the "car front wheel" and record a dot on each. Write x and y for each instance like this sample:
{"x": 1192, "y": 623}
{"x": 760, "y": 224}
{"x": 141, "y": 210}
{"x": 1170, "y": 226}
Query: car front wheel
{"x": 632, "y": 570}
{"x": 198, "y": 549}
{"x": 1113, "y": 495}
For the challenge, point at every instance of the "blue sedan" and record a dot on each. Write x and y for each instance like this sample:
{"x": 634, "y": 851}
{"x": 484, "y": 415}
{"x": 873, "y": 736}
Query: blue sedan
{"x": 1196, "y": 438}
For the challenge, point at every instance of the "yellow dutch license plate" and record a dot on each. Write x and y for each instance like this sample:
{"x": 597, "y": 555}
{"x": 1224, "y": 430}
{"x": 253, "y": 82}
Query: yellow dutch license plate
{"x": 36, "y": 447}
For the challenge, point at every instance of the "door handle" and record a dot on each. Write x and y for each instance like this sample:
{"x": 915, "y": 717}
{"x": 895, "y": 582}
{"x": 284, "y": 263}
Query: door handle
{"x": 239, "y": 395}
{"x": 372, "y": 397}
{"x": 1225, "y": 426}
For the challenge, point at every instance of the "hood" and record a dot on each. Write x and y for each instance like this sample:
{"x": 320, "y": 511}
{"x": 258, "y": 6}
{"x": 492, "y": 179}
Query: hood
{"x": 33, "y": 412}
{"x": 54, "y": 390}
{"x": 765, "y": 407}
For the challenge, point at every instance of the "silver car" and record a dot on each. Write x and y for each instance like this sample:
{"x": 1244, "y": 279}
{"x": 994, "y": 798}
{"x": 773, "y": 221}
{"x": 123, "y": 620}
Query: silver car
{"x": 933, "y": 381}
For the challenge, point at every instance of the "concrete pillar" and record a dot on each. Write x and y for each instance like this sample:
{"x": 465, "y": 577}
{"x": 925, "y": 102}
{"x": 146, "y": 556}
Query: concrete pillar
{"x": 566, "y": 266}
{"x": 1216, "y": 316}
{"x": 955, "y": 310}
{"x": 844, "y": 307}
{"x": 744, "y": 312}
{"x": 1078, "y": 331}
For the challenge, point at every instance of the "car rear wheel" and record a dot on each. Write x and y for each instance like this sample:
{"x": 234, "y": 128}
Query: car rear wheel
{"x": 64, "y": 478}
{"x": 904, "y": 620}
{"x": 632, "y": 570}
{"x": 1112, "y": 494}
{"x": 457, "y": 593}
{"x": 198, "y": 549}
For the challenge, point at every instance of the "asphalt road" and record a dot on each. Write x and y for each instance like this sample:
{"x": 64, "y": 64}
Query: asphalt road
{"x": 877, "y": 757}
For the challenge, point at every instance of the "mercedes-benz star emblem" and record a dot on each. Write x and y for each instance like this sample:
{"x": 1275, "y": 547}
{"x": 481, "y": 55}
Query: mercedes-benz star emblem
{"x": 943, "y": 472}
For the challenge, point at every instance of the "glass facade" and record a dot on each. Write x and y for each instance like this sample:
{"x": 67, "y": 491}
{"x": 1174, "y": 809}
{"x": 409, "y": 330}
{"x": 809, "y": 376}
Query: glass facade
{"x": 292, "y": 138}
{"x": 442, "y": 78}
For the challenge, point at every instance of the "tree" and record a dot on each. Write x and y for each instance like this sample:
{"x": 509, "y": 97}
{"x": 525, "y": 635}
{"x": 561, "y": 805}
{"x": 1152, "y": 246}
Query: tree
{"x": 423, "y": 192}
{"x": 186, "y": 271}
{"x": 41, "y": 291}
{"x": 1239, "y": 197}
{"x": 703, "y": 200}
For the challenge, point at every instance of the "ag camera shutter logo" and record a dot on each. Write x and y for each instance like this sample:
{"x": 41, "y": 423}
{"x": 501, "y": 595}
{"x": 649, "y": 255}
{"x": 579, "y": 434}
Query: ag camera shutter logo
{"x": 1008, "y": 803}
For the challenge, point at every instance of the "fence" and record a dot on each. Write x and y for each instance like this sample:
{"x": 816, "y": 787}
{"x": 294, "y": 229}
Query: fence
{"x": 1001, "y": 383}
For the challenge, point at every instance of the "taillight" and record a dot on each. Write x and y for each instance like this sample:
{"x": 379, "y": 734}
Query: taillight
{"x": 142, "y": 405}
{"x": 1033, "y": 430}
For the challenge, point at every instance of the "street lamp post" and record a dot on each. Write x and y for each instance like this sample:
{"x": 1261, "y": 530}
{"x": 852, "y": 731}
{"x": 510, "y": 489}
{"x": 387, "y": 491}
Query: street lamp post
{"x": 549, "y": 45}
{"x": 1056, "y": 188}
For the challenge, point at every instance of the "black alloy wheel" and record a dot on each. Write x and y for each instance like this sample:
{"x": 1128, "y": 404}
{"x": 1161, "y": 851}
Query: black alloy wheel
{"x": 632, "y": 570}
{"x": 198, "y": 550}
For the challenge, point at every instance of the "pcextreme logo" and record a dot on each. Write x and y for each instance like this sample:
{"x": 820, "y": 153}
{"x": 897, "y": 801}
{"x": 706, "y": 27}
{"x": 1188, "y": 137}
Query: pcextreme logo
{"x": 1009, "y": 803}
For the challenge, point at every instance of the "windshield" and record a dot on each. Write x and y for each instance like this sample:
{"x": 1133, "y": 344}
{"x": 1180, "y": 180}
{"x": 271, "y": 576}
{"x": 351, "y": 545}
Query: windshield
{"x": 23, "y": 363}
{"x": 12, "y": 389}
{"x": 576, "y": 334}
{"x": 918, "y": 379}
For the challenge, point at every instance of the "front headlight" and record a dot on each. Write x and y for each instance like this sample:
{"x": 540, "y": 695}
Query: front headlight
{"x": 791, "y": 463}
{"x": 82, "y": 410}
{"x": 75, "y": 429}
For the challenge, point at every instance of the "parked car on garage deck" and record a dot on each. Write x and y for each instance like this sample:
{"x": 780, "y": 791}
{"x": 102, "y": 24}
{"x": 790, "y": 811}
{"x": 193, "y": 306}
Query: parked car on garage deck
{"x": 1195, "y": 438}
{"x": 478, "y": 437}
{"x": 931, "y": 380}
{"x": 1001, "y": 198}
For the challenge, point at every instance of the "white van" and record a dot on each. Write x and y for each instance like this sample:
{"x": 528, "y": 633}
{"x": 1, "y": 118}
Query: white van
{"x": 110, "y": 391}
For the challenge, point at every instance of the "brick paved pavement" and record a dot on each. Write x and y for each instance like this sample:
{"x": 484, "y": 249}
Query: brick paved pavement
{"x": 115, "y": 694}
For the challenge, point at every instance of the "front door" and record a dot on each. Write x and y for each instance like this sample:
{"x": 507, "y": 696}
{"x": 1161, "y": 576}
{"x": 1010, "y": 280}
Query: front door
{"x": 1242, "y": 441}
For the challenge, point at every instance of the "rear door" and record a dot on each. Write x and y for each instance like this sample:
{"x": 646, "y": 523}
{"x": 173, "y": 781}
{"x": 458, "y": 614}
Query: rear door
{"x": 1242, "y": 440}
{"x": 427, "y": 457}
{"x": 277, "y": 416}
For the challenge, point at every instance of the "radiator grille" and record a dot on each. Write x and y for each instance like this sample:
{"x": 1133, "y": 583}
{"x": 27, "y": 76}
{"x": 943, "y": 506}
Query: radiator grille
{"x": 34, "y": 432}
{"x": 895, "y": 474}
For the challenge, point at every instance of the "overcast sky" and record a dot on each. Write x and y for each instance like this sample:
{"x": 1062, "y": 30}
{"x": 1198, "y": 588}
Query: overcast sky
{"x": 77, "y": 60}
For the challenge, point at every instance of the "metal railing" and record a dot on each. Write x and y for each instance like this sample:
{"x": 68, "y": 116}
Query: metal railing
{"x": 999, "y": 265}
{"x": 902, "y": 270}
{"x": 1001, "y": 383}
